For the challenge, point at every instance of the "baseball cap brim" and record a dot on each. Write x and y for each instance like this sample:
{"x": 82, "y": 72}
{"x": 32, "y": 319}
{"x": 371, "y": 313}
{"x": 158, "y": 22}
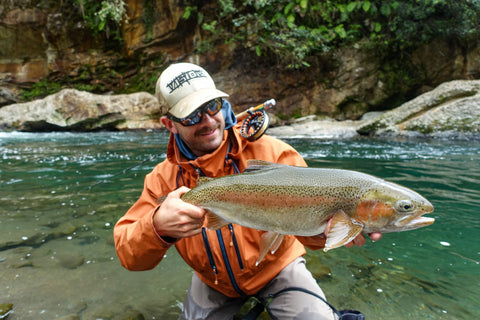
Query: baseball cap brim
{"x": 190, "y": 103}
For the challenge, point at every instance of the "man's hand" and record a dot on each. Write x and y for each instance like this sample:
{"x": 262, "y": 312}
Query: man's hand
{"x": 176, "y": 218}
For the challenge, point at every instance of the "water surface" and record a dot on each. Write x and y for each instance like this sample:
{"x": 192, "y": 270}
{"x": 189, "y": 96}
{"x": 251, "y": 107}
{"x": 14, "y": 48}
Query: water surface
{"x": 61, "y": 194}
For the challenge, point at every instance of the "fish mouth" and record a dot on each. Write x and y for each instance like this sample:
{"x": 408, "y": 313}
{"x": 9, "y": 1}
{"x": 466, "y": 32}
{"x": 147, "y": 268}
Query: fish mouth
{"x": 417, "y": 220}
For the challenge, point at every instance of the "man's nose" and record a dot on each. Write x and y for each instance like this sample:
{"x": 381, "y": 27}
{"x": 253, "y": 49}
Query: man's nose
{"x": 207, "y": 119}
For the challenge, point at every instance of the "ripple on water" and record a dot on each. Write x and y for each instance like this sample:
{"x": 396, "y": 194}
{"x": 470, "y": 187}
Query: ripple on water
{"x": 62, "y": 194}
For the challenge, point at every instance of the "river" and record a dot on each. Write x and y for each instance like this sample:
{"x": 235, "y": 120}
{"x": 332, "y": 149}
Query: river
{"x": 61, "y": 194}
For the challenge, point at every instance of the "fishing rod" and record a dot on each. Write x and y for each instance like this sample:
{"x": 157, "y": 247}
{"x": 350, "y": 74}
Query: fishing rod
{"x": 266, "y": 105}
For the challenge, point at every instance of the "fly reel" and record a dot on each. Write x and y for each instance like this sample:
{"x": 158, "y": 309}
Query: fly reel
{"x": 255, "y": 125}
{"x": 256, "y": 120}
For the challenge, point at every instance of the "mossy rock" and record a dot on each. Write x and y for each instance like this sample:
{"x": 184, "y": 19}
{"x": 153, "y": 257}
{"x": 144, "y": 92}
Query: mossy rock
{"x": 5, "y": 309}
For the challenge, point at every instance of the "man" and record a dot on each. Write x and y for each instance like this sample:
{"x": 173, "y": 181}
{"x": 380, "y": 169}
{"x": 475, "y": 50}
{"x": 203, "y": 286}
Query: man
{"x": 205, "y": 141}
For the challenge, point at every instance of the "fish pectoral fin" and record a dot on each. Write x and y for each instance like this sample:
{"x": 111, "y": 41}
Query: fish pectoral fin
{"x": 214, "y": 222}
{"x": 343, "y": 229}
{"x": 269, "y": 241}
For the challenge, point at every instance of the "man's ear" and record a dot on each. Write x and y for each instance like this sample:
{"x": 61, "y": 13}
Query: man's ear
{"x": 169, "y": 124}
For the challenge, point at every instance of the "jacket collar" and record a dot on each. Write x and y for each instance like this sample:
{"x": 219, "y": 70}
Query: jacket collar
{"x": 212, "y": 164}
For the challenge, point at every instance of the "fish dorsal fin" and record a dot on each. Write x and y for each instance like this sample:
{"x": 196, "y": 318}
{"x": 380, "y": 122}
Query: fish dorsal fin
{"x": 260, "y": 165}
{"x": 214, "y": 222}
{"x": 201, "y": 180}
{"x": 343, "y": 229}
{"x": 269, "y": 241}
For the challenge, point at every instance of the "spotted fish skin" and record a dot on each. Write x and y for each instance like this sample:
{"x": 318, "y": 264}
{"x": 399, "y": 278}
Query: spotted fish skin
{"x": 283, "y": 199}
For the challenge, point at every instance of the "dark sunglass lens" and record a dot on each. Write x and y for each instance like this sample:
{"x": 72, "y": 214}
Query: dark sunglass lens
{"x": 213, "y": 106}
{"x": 193, "y": 119}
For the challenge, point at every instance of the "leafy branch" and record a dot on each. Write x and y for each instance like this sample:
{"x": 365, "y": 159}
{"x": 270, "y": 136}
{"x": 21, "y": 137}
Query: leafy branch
{"x": 293, "y": 32}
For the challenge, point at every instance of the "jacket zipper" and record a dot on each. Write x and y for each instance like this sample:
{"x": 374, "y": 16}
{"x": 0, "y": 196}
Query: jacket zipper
{"x": 235, "y": 244}
{"x": 227, "y": 264}
{"x": 225, "y": 259}
{"x": 209, "y": 254}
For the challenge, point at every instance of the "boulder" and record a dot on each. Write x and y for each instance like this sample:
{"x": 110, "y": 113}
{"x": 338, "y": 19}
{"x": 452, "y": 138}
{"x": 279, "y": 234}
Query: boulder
{"x": 73, "y": 110}
{"x": 450, "y": 110}
{"x": 313, "y": 128}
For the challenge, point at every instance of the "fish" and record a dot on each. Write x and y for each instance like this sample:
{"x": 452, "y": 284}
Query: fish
{"x": 289, "y": 200}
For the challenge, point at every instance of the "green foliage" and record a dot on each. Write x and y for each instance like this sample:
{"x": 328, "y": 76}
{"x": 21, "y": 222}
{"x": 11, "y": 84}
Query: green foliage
{"x": 46, "y": 87}
{"x": 126, "y": 76}
{"x": 292, "y": 32}
{"x": 41, "y": 89}
{"x": 103, "y": 17}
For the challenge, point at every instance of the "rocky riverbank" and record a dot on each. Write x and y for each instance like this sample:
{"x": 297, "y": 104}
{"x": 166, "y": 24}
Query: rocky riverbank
{"x": 452, "y": 110}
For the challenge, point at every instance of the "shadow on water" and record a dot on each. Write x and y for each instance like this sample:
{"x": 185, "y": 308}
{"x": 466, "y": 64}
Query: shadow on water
{"x": 61, "y": 195}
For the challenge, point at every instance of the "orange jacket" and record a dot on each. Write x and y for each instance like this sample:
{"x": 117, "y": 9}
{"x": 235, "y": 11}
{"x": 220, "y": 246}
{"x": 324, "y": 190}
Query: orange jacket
{"x": 223, "y": 259}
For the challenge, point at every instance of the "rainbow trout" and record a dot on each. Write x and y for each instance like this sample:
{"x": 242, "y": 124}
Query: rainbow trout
{"x": 283, "y": 199}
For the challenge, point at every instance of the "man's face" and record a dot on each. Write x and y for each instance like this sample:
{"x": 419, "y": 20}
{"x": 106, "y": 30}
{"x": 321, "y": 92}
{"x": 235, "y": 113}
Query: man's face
{"x": 202, "y": 138}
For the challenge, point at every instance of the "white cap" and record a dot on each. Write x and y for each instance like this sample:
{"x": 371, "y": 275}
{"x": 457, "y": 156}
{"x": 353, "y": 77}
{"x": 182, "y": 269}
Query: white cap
{"x": 184, "y": 87}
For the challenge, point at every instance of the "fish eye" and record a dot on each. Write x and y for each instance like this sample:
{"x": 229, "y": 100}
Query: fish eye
{"x": 404, "y": 205}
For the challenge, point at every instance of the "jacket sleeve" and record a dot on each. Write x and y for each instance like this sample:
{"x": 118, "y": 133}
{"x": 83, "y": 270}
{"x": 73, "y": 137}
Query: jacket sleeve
{"x": 138, "y": 245}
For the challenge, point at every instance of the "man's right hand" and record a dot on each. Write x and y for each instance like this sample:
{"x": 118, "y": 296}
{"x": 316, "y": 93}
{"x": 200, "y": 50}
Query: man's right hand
{"x": 176, "y": 218}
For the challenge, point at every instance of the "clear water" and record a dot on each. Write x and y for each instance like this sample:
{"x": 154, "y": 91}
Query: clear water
{"x": 61, "y": 194}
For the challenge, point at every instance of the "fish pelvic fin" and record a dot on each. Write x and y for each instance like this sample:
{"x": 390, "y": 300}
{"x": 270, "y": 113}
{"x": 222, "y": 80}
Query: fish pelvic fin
{"x": 214, "y": 222}
{"x": 343, "y": 229}
{"x": 269, "y": 241}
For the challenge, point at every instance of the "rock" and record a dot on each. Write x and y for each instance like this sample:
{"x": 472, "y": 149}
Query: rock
{"x": 5, "y": 310}
{"x": 69, "y": 317}
{"x": 19, "y": 238}
{"x": 8, "y": 96}
{"x": 308, "y": 127}
{"x": 451, "y": 109}
{"x": 73, "y": 110}
{"x": 130, "y": 314}
{"x": 22, "y": 264}
{"x": 113, "y": 312}
{"x": 70, "y": 260}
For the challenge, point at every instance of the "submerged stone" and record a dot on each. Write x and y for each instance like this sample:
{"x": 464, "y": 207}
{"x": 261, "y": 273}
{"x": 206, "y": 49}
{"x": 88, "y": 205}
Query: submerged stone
{"x": 69, "y": 317}
{"x": 71, "y": 261}
{"x": 5, "y": 310}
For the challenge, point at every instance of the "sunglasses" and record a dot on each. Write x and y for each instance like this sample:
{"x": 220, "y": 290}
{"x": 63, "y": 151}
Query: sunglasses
{"x": 211, "y": 107}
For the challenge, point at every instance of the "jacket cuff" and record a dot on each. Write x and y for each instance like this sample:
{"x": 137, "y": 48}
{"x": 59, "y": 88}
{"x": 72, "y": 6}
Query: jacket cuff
{"x": 165, "y": 241}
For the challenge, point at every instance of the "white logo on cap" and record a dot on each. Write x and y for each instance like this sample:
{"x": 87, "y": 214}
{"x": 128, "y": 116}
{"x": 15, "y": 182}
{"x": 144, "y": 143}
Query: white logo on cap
{"x": 185, "y": 77}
